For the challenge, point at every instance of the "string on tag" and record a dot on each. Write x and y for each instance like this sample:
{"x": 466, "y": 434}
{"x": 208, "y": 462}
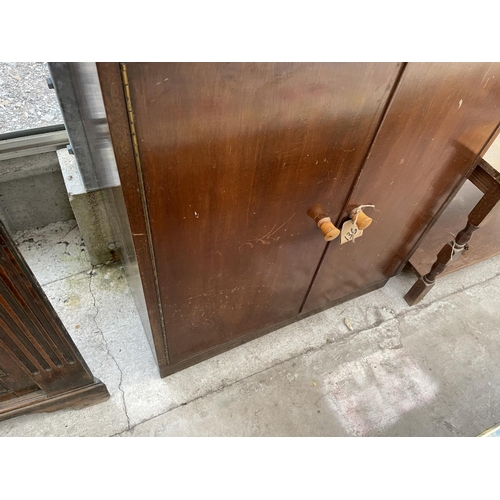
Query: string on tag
{"x": 355, "y": 213}
{"x": 358, "y": 209}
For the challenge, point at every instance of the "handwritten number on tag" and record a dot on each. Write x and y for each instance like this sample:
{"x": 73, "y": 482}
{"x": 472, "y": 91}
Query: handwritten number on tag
{"x": 350, "y": 232}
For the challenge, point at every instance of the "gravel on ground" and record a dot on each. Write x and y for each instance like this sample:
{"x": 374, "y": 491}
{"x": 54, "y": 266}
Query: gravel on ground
{"x": 26, "y": 102}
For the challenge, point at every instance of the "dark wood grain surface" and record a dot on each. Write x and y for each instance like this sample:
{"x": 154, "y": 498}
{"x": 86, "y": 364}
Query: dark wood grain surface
{"x": 38, "y": 359}
{"x": 232, "y": 157}
{"x": 438, "y": 122}
{"x": 31, "y": 334}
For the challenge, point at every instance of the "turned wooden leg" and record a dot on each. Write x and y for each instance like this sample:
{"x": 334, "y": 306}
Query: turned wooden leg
{"x": 476, "y": 218}
{"x": 424, "y": 284}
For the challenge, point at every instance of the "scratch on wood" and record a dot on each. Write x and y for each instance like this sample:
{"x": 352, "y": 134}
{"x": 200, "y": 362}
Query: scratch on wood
{"x": 247, "y": 243}
{"x": 269, "y": 236}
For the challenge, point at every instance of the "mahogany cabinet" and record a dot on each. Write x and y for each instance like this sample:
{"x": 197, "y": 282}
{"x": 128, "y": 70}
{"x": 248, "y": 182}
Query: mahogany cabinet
{"x": 221, "y": 162}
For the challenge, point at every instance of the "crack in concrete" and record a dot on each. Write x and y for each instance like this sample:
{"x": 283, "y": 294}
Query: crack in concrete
{"x": 107, "y": 347}
{"x": 225, "y": 385}
{"x": 339, "y": 341}
{"x": 85, "y": 271}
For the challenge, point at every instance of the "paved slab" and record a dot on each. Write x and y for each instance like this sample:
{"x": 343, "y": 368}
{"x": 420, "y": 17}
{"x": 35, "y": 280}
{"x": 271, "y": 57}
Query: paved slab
{"x": 54, "y": 252}
{"x": 432, "y": 372}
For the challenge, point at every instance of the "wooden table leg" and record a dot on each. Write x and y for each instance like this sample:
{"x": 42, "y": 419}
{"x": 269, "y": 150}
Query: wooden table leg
{"x": 424, "y": 284}
{"x": 476, "y": 219}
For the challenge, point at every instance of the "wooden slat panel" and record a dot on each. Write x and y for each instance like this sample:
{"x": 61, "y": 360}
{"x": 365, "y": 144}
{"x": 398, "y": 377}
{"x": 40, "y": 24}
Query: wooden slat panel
{"x": 14, "y": 375}
{"x": 36, "y": 350}
{"x": 17, "y": 297}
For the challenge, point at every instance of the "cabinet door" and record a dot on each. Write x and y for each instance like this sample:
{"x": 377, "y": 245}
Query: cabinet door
{"x": 229, "y": 158}
{"x": 40, "y": 367}
{"x": 438, "y": 122}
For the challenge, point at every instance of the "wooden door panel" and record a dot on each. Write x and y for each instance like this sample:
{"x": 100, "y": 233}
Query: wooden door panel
{"x": 439, "y": 120}
{"x": 232, "y": 156}
{"x": 36, "y": 352}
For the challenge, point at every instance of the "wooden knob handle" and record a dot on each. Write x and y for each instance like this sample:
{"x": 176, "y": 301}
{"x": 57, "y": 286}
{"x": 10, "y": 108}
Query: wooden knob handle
{"x": 316, "y": 212}
{"x": 330, "y": 232}
{"x": 363, "y": 220}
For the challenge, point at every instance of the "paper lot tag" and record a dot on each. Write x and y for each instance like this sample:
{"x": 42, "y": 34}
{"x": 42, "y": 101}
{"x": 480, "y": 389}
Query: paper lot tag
{"x": 350, "y": 232}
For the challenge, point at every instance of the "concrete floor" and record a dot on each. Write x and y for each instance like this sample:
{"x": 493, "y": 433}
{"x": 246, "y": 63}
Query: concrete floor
{"x": 430, "y": 370}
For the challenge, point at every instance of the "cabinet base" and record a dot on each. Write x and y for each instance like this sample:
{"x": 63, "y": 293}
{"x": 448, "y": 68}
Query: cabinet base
{"x": 37, "y": 402}
{"x": 166, "y": 370}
